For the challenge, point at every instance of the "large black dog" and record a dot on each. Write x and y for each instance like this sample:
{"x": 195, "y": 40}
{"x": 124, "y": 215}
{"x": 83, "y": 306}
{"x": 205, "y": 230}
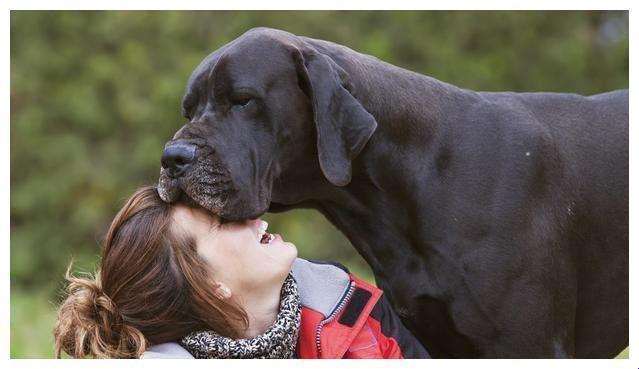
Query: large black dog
{"x": 496, "y": 223}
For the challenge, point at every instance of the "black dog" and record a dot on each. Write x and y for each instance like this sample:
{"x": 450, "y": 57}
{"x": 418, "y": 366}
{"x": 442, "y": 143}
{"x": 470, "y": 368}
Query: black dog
{"x": 497, "y": 223}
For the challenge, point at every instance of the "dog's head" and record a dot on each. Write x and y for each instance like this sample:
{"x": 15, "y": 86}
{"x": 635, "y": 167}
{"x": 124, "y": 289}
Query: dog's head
{"x": 253, "y": 106}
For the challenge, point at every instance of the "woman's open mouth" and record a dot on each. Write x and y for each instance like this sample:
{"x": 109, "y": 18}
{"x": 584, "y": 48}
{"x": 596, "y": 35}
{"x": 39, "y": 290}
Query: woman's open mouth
{"x": 264, "y": 237}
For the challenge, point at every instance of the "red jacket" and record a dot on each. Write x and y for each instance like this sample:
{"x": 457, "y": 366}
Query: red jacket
{"x": 342, "y": 317}
{"x": 362, "y": 325}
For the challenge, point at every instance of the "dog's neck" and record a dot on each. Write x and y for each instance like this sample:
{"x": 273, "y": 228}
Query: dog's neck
{"x": 403, "y": 102}
{"x": 410, "y": 113}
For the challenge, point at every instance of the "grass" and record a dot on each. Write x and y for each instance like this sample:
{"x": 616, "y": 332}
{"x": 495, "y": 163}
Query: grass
{"x": 32, "y": 319}
{"x": 623, "y": 354}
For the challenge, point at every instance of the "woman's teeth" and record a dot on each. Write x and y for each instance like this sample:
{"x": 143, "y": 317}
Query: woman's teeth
{"x": 265, "y": 238}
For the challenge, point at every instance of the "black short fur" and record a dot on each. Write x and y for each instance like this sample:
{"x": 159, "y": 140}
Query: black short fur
{"x": 495, "y": 222}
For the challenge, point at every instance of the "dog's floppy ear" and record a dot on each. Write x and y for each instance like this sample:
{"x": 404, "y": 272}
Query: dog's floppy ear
{"x": 343, "y": 125}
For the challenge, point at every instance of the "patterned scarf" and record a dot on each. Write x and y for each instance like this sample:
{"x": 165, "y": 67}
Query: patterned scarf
{"x": 278, "y": 342}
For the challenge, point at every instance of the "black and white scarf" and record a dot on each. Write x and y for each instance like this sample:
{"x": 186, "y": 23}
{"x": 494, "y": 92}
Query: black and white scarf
{"x": 278, "y": 342}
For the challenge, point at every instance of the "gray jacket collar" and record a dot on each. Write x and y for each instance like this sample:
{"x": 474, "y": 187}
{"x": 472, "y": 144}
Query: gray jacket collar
{"x": 321, "y": 286}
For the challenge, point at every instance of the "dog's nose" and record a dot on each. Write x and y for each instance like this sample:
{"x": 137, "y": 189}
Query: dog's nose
{"x": 177, "y": 158}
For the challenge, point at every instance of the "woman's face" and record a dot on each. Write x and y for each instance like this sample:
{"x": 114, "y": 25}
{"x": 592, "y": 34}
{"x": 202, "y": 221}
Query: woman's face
{"x": 234, "y": 252}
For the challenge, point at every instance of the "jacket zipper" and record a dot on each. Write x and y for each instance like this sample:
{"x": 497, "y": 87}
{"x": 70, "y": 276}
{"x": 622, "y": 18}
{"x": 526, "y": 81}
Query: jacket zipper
{"x": 331, "y": 317}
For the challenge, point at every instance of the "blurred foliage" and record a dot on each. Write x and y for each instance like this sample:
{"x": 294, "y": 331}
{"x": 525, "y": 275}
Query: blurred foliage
{"x": 94, "y": 96}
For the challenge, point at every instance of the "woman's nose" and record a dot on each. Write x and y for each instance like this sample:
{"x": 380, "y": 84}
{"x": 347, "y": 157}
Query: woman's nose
{"x": 177, "y": 158}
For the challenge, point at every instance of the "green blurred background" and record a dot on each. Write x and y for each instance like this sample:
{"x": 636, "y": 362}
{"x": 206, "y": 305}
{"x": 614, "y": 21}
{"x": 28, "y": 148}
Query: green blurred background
{"x": 94, "y": 96}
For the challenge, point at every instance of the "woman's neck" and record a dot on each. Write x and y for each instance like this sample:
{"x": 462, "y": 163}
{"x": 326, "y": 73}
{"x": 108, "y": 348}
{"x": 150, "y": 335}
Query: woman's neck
{"x": 261, "y": 308}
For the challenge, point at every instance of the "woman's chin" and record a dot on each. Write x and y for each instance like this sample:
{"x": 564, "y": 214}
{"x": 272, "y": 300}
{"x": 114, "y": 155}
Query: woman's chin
{"x": 282, "y": 251}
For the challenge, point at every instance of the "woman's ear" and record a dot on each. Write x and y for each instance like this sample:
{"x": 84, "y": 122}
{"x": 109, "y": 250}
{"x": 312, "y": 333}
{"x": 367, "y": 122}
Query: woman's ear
{"x": 222, "y": 291}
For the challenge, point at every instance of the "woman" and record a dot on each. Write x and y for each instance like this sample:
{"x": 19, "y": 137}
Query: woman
{"x": 174, "y": 281}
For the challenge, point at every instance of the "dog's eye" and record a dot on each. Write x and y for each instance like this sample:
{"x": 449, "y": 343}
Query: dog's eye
{"x": 241, "y": 97}
{"x": 242, "y": 101}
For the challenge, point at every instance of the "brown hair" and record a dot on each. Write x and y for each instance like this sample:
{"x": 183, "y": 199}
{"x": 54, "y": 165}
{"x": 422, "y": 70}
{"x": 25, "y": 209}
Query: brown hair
{"x": 151, "y": 287}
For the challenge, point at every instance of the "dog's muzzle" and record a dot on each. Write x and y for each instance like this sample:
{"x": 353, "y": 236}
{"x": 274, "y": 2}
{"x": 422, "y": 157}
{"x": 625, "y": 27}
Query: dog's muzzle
{"x": 168, "y": 187}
